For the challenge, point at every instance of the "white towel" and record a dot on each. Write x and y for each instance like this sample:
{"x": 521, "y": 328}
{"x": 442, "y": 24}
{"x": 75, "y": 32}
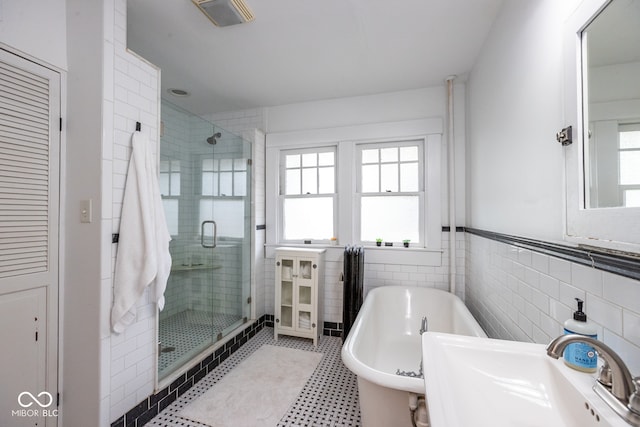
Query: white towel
{"x": 143, "y": 259}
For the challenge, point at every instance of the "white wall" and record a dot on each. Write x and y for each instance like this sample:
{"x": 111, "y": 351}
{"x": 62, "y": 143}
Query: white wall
{"x": 515, "y": 186}
{"x": 130, "y": 94}
{"x": 515, "y": 177}
{"x": 37, "y": 28}
{"x": 109, "y": 89}
{"x": 382, "y": 108}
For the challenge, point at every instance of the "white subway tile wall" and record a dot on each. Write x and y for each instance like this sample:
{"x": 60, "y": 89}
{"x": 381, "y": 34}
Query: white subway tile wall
{"x": 376, "y": 275}
{"x": 518, "y": 294}
{"x": 131, "y": 94}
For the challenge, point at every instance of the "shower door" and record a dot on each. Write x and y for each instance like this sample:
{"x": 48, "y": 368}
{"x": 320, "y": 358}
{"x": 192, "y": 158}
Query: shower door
{"x": 205, "y": 178}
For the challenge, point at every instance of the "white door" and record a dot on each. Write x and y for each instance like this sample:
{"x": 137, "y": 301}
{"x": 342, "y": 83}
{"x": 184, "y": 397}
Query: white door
{"x": 29, "y": 212}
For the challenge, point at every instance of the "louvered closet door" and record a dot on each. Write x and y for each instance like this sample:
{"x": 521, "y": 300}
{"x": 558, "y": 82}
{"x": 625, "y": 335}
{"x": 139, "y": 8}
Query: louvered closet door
{"x": 29, "y": 211}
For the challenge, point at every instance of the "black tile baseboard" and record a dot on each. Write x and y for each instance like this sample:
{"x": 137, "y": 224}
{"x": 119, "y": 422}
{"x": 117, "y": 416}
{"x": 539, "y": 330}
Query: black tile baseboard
{"x": 144, "y": 411}
{"x": 332, "y": 329}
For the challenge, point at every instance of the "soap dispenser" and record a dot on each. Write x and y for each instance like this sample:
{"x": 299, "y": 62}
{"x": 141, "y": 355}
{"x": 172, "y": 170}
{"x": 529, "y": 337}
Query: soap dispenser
{"x": 581, "y": 356}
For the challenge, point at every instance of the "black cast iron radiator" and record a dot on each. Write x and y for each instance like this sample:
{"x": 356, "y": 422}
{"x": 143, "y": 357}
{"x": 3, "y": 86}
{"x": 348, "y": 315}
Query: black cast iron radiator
{"x": 353, "y": 286}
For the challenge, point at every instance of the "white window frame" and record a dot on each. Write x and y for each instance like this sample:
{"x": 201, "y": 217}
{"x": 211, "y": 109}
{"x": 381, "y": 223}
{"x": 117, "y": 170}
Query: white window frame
{"x": 626, "y": 127}
{"x": 346, "y": 140}
{"x": 420, "y": 193}
{"x": 282, "y": 196}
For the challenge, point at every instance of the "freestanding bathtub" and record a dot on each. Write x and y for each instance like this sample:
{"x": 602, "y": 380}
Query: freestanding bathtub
{"x": 385, "y": 339}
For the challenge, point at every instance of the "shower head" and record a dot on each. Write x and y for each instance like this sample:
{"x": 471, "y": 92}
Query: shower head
{"x": 213, "y": 139}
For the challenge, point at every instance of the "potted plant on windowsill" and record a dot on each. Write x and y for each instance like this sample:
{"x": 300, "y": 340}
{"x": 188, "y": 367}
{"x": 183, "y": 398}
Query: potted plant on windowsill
{"x": 405, "y": 243}
{"x": 378, "y": 242}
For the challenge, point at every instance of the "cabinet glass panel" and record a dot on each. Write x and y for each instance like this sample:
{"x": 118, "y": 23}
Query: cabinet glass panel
{"x": 286, "y": 317}
{"x": 305, "y": 269}
{"x": 305, "y": 295}
{"x": 287, "y": 269}
{"x": 304, "y": 320}
{"x": 286, "y": 293}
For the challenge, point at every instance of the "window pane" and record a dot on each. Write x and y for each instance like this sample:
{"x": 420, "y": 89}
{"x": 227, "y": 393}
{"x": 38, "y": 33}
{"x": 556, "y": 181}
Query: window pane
{"x": 164, "y": 184}
{"x": 409, "y": 177}
{"x": 164, "y": 166}
{"x": 389, "y": 177}
{"x": 239, "y": 164}
{"x": 226, "y": 183}
{"x": 175, "y": 184}
{"x": 226, "y": 164}
{"x": 171, "y": 213}
{"x": 408, "y": 154}
{"x": 240, "y": 184}
{"x": 293, "y": 181}
{"x": 310, "y": 181}
{"x": 370, "y": 179}
{"x": 292, "y": 161}
{"x": 370, "y": 156}
{"x": 308, "y": 218}
{"x": 632, "y": 198}
{"x": 205, "y": 214}
{"x": 389, "y": 154}
{"x": 392, "y": 218}
{"x": 309, "y": 159}
{"x": 629, "y": 167}
{"x": 630, "y": 139}
{"x": 326, "y": 159}
{"x": 175, "y": 165}
{"x": 327, "y": 178}
{"x": 207, "y": 164}
{"x": 229, "y": 216}
{"x": 215, "y": 184}
{"x": 207, "y": 183}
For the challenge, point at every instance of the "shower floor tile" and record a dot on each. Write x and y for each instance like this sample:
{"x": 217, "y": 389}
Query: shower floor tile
{"x": 330, "y": 397}
{"x": 188, "y": 330}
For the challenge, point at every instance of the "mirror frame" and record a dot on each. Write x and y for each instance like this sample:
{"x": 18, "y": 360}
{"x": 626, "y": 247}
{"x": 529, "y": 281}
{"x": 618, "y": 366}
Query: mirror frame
{"x": 611, "y": 228}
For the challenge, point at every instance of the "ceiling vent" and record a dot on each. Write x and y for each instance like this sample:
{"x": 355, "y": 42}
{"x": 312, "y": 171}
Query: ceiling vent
{"x": 225, "y": 12}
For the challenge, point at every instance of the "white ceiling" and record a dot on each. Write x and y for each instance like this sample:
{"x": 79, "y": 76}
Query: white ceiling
{"x": 303, "y": 50}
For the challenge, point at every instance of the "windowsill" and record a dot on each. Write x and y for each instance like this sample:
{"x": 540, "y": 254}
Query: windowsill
{"x": 373, "y": 254}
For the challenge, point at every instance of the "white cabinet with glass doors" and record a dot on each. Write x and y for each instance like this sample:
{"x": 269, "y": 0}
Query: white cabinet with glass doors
{"x": 299, "y": 293}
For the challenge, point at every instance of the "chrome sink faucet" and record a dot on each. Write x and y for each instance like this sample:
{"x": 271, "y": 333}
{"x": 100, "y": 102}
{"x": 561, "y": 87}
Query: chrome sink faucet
{"x": 614, "y": 384}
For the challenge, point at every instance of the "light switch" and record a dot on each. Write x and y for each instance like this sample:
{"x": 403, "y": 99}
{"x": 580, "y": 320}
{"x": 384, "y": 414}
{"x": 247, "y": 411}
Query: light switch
{"x": 85, "y": 211}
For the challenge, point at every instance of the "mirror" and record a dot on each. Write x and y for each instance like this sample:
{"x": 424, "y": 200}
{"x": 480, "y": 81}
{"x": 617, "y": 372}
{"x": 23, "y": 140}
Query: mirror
{"x": 611, "y": 106}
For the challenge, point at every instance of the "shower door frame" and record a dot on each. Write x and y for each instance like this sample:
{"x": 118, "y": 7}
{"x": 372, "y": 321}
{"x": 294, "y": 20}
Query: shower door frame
{"x": 247, "y": 290}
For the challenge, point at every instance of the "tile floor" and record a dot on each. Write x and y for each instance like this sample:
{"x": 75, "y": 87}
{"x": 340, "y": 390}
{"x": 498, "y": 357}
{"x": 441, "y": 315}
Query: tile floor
{"x": 330, "y": 397}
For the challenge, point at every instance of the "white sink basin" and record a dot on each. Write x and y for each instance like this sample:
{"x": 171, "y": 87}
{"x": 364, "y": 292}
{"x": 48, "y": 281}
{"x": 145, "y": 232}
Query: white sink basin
{"x": 473, "y": 381}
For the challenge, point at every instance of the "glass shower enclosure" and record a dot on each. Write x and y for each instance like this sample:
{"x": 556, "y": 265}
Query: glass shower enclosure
{"x": 205, "y": 181}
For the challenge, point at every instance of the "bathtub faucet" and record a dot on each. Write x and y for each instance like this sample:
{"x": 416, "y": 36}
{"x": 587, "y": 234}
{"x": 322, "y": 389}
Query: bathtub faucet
{"x": 423, "y": 325}
{"x": 614, "y": 385}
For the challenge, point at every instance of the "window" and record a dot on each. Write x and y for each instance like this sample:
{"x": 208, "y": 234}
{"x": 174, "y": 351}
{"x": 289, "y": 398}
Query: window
{"x": 223, "y": 188}
{"x": 629, "y": 158}
{"x": 390, "y": 191}
{"x": 170, "y": 191}
{"x": 308, "y": 193}
{"x": 224, "y": 177}
{"x": 358, "y": 183}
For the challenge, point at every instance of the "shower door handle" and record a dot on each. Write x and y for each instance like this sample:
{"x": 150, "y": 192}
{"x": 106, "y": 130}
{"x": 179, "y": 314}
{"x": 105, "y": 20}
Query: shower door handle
{"x": 215, "y": 234}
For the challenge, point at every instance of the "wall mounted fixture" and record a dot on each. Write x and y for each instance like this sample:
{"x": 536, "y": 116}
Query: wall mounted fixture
{"x": 565, "y": 136}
